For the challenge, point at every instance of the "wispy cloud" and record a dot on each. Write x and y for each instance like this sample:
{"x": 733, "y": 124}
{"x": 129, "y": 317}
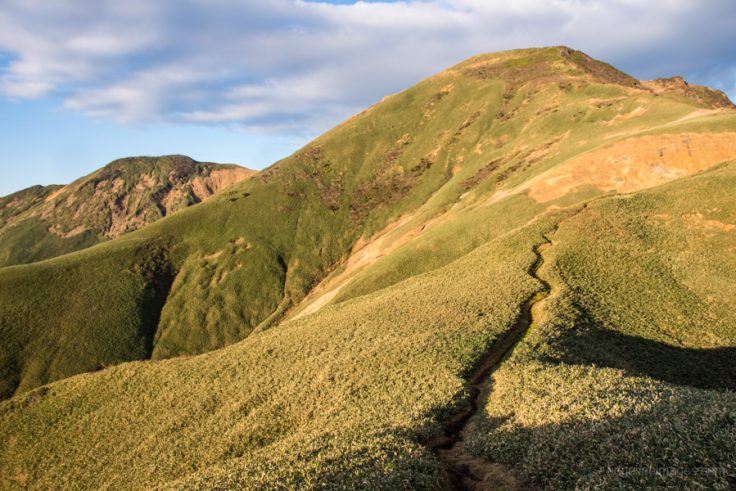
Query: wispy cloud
{"x": 302, "y": 66}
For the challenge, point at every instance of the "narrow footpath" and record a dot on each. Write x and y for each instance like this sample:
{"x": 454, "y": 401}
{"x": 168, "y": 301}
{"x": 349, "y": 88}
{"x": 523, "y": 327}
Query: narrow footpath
{"x": 464, "y": 470}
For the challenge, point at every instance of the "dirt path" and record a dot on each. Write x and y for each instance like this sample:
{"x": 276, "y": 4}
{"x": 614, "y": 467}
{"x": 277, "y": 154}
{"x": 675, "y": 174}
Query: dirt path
{"x": 464, "y": 470}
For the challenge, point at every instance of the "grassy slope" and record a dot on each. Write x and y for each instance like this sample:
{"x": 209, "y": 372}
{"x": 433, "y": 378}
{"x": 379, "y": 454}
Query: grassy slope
{"x": 44, "y": 222}
{"x": 355, "y": 391}
{"x": 628, "y": 378}
{"x": 23, "y": 200}
{"x": 457, "y": 234}
{"x": 61, "y": 331}
{"x": 348, "y": 390}
{"x": 536, "y": 128}
{"x": 243, "y": 258}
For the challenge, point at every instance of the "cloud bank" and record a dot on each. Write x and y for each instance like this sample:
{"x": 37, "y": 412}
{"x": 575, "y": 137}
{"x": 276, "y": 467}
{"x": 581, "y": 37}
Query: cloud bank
{"x": 297, "y": 66}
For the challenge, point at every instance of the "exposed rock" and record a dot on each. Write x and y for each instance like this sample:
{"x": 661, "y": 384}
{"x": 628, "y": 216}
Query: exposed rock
{"x": 677, "y": 85}
{"x": 123, "y": 196}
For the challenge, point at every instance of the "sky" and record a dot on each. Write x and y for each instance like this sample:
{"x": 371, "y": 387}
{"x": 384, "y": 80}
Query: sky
{"x": 83, "y": 82}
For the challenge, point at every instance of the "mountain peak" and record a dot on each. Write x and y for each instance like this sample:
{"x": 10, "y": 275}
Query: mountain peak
{"x": 120, "y": 197}
{"x": 555, "y": 62}
{"x": 565, "y": 65}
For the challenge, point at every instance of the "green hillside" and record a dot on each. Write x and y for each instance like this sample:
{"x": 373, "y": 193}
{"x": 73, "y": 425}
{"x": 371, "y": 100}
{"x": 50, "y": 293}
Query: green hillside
{"x": 346, "y": 398}
{"x": 632, "y": 364}
{"x": 516, "y": 273}
{"x": 47, "y": 221}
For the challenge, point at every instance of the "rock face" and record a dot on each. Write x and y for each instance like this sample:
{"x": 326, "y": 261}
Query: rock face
{"x": 679, "y": 86}
{"x": 123, "y": 196}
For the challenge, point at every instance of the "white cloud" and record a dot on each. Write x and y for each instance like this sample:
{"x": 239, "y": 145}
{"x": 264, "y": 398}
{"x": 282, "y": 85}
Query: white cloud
{"x": 295, "y": 65}
{"x": 25, "y": 89}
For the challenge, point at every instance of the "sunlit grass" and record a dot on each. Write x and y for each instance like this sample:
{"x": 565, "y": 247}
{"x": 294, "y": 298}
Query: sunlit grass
{"x": 629, "y": 378}
{"x": 620, "y": 369}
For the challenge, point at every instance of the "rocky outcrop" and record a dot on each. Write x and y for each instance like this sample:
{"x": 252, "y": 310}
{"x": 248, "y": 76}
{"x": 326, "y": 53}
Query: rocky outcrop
{"x": 123, "y": 196}
{"x": 677, "y": 85}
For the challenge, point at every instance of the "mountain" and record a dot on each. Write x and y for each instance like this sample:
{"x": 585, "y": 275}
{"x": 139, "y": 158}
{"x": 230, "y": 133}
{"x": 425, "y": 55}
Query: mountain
{"x": 517, "y": 273}
{"x": 46, "y": 221}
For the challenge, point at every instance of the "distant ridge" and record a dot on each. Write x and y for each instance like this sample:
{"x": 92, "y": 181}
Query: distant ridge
{"x": 45, "y": 221}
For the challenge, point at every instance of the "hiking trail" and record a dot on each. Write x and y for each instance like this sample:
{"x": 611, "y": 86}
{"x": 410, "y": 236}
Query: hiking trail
{"x": 464, "y": 470}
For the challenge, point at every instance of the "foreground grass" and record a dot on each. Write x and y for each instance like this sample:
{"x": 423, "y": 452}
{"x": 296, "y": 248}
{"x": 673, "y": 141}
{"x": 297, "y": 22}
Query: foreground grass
{"x": 343, "y": 398}
{"x": 628, "y": 379}
{"x": 350, "y": 391}
{"x": 583, "y": 427}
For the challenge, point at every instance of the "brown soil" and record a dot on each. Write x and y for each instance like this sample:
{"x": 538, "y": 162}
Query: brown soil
{"x": 677, "y": 85}
{"x": 635, "y": 163}
{"x": 697, "y": 220}
{"x": 55, "y": 194}
{"x": 365, "y": 252}
{"x": 71, "y": 233}
{"x": 204, "y": 187}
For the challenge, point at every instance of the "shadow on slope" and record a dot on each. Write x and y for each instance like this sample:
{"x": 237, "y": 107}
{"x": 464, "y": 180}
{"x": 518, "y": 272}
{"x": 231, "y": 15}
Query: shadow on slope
{"x": 712, "y": 368}
{"x": 666, "y": 437}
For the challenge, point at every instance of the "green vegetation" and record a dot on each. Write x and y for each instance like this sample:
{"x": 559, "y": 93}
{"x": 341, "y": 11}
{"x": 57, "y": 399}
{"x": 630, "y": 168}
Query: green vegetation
{"x": 609, "y": 389}
{"x": 354, "y": 285}
{"x": 81, "y": 327}
{"x": 23, "y": 201}
{"x": 348, "y": 390}
{"x": 357, "y": 392}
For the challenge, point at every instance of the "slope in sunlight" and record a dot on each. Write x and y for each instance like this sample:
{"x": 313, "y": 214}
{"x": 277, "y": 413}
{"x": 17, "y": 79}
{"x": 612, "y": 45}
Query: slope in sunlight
{"x": 370, "y": 273}
{"x": 520, "y": 124}
{"x": 346, "y": 398}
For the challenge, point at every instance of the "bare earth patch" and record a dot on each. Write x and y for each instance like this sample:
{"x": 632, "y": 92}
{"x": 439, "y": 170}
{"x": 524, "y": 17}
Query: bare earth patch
{"x": 365, "y": 252}
{"x": 696, "y": 220}
{"x": 71, "y": 233}
{"x": 213, "y": 256}
{"x": 219, "y": 179}
{"x": 635, "y": 163}
{"x": 55, "y": 194}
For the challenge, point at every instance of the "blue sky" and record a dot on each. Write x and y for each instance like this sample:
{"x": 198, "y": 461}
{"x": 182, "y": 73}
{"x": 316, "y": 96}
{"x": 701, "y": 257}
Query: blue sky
{"x": 83, "y": 82}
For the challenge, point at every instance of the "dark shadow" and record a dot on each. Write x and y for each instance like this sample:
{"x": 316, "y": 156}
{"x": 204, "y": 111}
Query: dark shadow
{"x": 713, "y": 368}
{"x": 659, "y": 447}
{"x": 10, "y": 369}
{"x": 159, "y": 275}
